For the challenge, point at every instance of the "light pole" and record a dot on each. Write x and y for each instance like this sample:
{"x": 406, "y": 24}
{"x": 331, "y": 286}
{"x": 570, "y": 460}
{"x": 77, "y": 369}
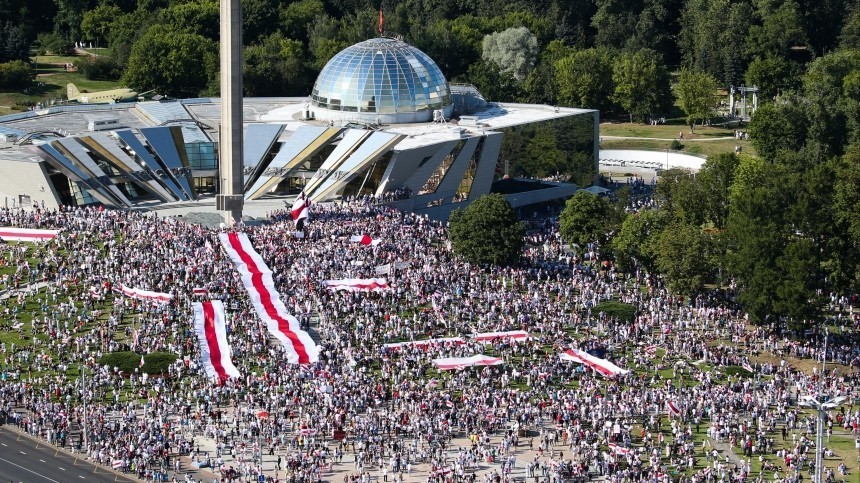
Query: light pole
{"x": 84, "y": 399}
{"x": 821, "y": 402}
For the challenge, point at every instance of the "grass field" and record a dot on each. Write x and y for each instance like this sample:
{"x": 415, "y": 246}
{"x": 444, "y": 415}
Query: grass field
{"x": 50, "y": 83}
{"x": 707, "y": 140}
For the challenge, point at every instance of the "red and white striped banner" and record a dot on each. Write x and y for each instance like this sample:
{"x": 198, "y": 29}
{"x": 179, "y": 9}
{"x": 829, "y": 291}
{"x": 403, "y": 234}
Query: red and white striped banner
{"x": 510, "y": 334}
{"x": 199, "y": 291}
{"x": 212, "y": 335}
{"x": 140, "y": 294}
{"x": 11, "y": 233}
{"x": 299, "y": 211}
{"x": 425, "y": 343}
{"x": 257, "y": 278}
{"x": 357, "y": 284}
{"x": 672, "y": 409}
{"x": 602, "y": 366}
{"x": 116, "y": 464}
{"x": 618, "y": 449}
{"x": 451, "y": 363}
{"x": 364, "y": 240}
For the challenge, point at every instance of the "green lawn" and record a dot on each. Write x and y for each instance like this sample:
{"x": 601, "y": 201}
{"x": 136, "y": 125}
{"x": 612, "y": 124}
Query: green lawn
{"x": 702, "y": 148}
{"x": 667, "y": 131}
{"x": 53, "y": 87}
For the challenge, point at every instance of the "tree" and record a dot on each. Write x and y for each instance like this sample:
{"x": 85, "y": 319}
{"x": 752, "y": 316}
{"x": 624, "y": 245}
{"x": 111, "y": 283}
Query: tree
{"x": 275, "y": 68}
{"x": 695, "y": 92}
{"x": 713, "y": 38}
{"x": 201, "y": 17}
{"x": 97, "y": 22}
{"x": 780, "y": 30}
{"x": 15, "y": 75}
{"x": 67, "y": 21}
{"x": 777, "y": 126}
{"x": 260, "y": 19}
{"x": 773, "y": 75}
{"x": 637, "y": 239}
{"x": 584, "y": 79}
{"x": 514, "y": 50}
{"x": 714, "y": 181}
{"x": 297, "y": 17}
{"x": 683, "y": 257}
{"x": 492, "y": 83}
{"x": 678, "y": 194}
{"x": 641, "y": 84}
{"x": 849, "y": 38}
{"x": 846, "y": 201}
{"x": 14, "y": 43}
{"x": 541, "y": 86}
{"x": 174, "y": 63}
{"x": 826, "y": 102}
{"x": 487, "y": 231}
{"x": 587, "y": 218}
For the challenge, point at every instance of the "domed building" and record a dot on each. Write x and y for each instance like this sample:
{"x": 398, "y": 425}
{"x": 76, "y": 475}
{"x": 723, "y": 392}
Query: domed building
{"x": 382, "y": 81}
{"x": 381, "y": 120}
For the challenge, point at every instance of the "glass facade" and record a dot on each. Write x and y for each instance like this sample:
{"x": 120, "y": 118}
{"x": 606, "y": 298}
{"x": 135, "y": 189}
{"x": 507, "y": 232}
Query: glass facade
{"x": 201, "y": 155}
{"x": 381, "y": 76}
{"x": 561, "y": 149}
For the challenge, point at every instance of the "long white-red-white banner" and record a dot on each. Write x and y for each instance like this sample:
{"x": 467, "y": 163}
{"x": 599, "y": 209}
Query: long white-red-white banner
{"x": 451, "y": 363}
{"x": 507, "y": 335}
{"x": 212, "y": 335}
{"x": 602, "y": 366}
{"x": 140, "y": 294}
{"x": 425, "y": 343}
{"x": 11, "y": 233}
{"x": 257, "y": 278}
{"x": 357, "y": 284}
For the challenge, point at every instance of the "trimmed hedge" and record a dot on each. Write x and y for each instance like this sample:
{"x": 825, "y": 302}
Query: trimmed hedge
{"x": 126, "y": 361}
{"x": 618, "y": 310}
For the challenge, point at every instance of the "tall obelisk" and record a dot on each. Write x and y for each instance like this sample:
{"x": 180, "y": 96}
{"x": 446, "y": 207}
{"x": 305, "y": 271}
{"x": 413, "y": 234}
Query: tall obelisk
{"x": 230, "y": 198}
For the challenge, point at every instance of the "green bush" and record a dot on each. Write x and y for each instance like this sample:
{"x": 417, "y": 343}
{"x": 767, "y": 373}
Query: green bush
{"x": 154, "y": 363}
{"x": 618, "y": 310}
{"x": 15, "y": 75}
{"x": 51, "y": 43}
{"x": 676, "y": 145}
{"x": 98, "y": 68}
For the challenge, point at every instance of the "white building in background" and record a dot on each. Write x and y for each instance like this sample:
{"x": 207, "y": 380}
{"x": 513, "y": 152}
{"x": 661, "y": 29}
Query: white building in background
{"x": 381, "y": 119}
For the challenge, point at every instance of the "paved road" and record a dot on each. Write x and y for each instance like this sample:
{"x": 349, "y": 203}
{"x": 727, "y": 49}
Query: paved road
{"x": 23, "y": 459}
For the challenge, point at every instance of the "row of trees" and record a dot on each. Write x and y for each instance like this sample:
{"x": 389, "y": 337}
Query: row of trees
{"x": 780, "y": 230}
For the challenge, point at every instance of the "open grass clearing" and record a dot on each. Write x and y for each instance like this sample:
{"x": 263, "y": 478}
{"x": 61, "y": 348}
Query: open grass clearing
{"x": 52, "y": 86}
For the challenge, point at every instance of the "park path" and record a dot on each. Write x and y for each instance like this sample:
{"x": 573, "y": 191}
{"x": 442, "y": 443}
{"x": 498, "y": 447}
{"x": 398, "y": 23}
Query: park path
{"x": 667, "y": 139}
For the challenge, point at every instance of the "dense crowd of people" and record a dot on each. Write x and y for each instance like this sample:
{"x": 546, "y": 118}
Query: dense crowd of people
{"x": 388, "y": 410}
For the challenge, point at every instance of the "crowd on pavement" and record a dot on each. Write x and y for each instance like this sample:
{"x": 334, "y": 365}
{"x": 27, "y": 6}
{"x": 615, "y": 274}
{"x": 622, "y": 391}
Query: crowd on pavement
{"x": 367, "y": 412}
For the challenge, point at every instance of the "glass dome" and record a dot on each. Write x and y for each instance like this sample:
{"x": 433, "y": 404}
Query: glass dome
{"x": 381, "y": 80}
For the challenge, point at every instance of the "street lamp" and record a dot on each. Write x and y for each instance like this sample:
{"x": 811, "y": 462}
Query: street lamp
{"x": 821, "y": 402}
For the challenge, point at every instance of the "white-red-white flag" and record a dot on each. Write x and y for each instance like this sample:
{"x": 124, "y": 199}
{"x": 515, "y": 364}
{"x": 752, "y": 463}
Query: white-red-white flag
{"x": 200, "y": 291}
{"x": 212, "y": 335}
{"x": 618, "y": 449}
{"x": 142, "y": 362}
{"x": 257, "y": 278}
{"x": 672, "y": 409}
{"x": 299, "y": 211}
{"x": 357, "y": 284}
{"x": 364, "y": 240}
